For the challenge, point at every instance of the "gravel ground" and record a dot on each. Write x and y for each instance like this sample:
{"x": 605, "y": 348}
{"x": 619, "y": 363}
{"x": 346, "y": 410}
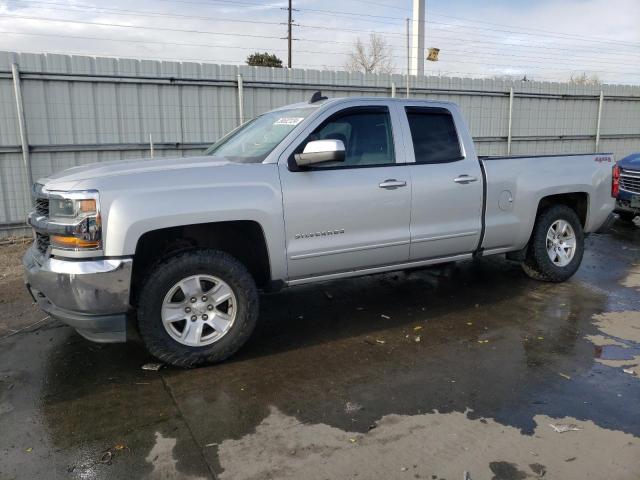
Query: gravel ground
{"x": 15, "y": 303}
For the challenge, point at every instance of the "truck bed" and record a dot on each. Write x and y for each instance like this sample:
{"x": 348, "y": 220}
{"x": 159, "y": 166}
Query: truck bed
{"x": 515, "y": 186}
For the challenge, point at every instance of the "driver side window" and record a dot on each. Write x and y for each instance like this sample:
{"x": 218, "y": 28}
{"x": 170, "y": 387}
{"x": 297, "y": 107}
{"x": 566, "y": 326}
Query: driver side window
{"x": 366, "y": 133}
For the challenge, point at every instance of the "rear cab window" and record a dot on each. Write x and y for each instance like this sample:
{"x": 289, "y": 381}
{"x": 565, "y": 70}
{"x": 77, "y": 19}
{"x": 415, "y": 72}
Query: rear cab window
{"x": 434, "y": 135}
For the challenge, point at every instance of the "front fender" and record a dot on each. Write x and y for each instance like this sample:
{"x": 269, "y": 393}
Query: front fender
{"x": 133, "y": 212}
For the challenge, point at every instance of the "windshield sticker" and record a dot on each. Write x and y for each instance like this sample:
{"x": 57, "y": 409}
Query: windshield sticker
{"x": 288, "y": 121}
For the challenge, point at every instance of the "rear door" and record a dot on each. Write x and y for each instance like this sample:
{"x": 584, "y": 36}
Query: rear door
{"x": 447, "y": 184}
{"x": 348, "y": 215}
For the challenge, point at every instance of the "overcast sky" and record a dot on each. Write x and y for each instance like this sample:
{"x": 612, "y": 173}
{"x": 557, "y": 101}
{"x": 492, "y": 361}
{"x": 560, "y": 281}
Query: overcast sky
{"x": 542, "y": 39}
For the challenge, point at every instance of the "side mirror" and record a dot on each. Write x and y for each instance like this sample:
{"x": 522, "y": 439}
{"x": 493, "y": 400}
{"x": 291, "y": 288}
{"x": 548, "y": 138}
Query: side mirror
{"x": 320, "y": 151}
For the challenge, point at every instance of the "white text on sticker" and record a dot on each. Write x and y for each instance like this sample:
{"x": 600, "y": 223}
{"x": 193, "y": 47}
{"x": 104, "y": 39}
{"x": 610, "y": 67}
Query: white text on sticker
{"x": 288, "y": 121}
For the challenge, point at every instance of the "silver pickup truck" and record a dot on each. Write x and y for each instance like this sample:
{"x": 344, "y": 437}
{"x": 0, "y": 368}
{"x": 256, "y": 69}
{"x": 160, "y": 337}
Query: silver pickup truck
{"x": 314, "y": 191}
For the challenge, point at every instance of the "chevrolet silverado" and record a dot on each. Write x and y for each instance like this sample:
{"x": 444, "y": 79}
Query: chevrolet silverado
{"x": 309, "y": 192}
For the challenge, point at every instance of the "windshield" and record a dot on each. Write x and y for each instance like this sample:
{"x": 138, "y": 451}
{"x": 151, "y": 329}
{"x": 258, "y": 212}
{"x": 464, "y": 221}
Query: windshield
{"x": 253, "y": 141}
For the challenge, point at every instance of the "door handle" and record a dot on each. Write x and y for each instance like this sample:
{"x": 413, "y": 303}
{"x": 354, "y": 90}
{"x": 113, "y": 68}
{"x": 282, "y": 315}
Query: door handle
{"x": 392, "y": 184}
{"x": 464, "y": 179}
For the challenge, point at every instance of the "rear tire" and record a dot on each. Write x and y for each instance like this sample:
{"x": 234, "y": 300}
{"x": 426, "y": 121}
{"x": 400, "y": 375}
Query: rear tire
{"x": 546, "y": 243}
{"x": 211, "y": 330}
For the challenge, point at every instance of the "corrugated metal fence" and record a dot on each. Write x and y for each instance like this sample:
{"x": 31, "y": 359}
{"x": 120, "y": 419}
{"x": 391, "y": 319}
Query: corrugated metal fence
{"x": 76, "y": 109}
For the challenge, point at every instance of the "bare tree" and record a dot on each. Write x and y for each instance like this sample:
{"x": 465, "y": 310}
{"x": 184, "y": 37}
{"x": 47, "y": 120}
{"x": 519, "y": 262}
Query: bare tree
{"x": 584, "y": 79}
{"x": 372, "y": 58}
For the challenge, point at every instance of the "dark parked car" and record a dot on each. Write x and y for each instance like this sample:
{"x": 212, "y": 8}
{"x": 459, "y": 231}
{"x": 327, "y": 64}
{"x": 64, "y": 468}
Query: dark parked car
{"x": 627, "y": 174}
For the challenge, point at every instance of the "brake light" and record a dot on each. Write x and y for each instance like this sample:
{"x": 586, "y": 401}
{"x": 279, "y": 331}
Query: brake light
{"x": 615, "y": 181}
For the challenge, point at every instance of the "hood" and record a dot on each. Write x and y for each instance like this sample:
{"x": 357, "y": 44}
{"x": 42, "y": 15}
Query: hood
{"x": 127, "y": 167}
{"x": 632, "y": 162}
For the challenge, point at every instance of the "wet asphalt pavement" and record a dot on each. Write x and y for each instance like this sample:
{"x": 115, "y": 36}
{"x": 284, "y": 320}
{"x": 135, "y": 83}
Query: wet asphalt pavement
{"x": 425, "y": 374}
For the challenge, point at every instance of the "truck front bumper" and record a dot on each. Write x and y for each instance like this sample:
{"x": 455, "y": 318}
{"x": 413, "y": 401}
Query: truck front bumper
{"x": 92, "y": 296}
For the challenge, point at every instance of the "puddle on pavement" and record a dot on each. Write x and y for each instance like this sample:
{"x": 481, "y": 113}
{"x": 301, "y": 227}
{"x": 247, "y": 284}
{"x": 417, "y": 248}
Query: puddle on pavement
{"x": 163, "y": 461}
{"x": 614, "y": 352}
{"x": 618, "y": 342}
{"x": 428, "y": 446}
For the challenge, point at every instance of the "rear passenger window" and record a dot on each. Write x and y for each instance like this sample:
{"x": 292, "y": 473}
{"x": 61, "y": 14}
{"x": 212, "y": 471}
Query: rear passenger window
{"x": 434, "y": 135}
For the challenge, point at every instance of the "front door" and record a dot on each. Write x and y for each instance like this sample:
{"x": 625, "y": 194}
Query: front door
{"x": 350, "y": 215}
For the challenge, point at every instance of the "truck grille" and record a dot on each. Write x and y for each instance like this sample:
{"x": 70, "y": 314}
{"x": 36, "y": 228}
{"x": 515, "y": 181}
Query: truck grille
{"x": 630, "y": 182}
{"x": 42, "y": 242}
{"x": 41, "y": 207}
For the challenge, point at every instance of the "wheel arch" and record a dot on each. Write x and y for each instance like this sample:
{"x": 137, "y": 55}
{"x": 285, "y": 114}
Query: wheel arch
{"x": 245, "y": 240}
{"x": 577, "y": 201}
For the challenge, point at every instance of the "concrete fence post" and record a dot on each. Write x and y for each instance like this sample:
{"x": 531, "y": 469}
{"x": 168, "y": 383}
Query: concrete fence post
{"x": 393, "y": 89}
{"x": 510, "y": 120}
{"x": 240, "y": 99}
{"x": 599, "y": 120}
{"x": 22, "y": 126}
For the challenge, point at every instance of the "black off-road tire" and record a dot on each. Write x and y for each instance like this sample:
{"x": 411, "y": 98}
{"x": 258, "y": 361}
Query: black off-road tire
{"x": 167, "y": 273}
{"x": 537, "y": 263}
{"x": 626, "y": 216}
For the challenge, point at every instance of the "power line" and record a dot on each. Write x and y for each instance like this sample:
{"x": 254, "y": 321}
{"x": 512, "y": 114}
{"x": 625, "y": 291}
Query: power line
{"x": 600, "y": 39}
{"x": 510, "y": 29}
{"x": 529, "y": 45}
{"x": 589, "y": 38}
{"x": 178, "y": 30}
{"x": 142, "y": 13}
{"x": 120, "y": 25}
{"x": 156, "y": 42}
{"x": 354, "y": 14}
{"x": 552, "y": 34}
{"x": 148, "y": 13}
{"x": 205, "y": 32}
{"x": 384, "y": 34}
{"x": 598, "y": 42}
{"x": 384, "y": 5}
{"x": 209, "y": 45}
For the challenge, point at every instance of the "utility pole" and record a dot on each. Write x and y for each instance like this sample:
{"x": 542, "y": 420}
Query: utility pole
{"x": 417, "y": 54}
{"x": 289, "y": 36}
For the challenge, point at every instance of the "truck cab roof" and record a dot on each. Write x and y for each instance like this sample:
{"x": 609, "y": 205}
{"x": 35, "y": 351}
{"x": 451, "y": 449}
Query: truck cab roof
{"x": 338, "y": 100}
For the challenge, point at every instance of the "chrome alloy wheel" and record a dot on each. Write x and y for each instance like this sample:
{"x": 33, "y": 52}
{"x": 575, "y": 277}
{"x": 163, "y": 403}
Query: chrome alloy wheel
{"x": 199, "y": 310}
{"x": 561, "y": 243}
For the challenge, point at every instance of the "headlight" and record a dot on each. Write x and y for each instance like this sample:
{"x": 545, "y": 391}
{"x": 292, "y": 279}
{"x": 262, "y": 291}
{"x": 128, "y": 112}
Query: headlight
{"x": 77, "y": 215}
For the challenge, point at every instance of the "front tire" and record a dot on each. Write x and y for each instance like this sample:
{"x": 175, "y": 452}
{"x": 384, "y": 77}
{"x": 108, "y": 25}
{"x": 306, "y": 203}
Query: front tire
{"x": 199, "y": 306}
{"x": 556, "y": 246}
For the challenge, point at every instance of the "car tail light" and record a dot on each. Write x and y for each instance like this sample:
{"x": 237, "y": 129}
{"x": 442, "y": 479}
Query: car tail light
{"x": 615, "y": 181}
